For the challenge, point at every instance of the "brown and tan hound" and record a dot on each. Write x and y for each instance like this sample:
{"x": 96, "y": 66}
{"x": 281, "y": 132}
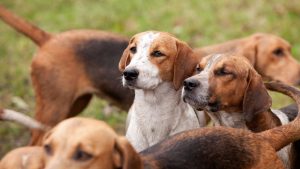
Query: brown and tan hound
{"x": 233, "y": 94}
{"x": 93, "y": 144}
{"x": 269, "y": 54}
{"x": 24, "y": 158}
{"x": 69, "y": 67}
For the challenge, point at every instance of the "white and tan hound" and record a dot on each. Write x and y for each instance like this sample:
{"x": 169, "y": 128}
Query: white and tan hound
{"x": 155, "y": 64}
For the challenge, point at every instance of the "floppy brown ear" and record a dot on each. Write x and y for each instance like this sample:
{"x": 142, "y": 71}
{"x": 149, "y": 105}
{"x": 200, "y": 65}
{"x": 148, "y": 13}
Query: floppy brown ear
{"x": 125, "y": 60}
{"x": 256, "y": 98}
{"x": 125, "y": 156}
{"x": 249, "y": 50}
{"x": 184, "y": 64}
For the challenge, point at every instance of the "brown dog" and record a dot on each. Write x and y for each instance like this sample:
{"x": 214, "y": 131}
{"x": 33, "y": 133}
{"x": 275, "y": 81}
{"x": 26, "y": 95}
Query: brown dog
{"x": 270, "y": 55}
{"x": 93, "y": 144}
{"x": 233, "y": 94}
{"x": 69, "y": 67}
{"x": 24, "y": 158}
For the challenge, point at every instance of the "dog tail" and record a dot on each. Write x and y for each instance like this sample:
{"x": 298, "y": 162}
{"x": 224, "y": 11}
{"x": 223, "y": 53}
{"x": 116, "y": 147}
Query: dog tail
{"x": 11, "y": 115}
{"x": 36, "y": 34}
{"x": 280, "y": 137}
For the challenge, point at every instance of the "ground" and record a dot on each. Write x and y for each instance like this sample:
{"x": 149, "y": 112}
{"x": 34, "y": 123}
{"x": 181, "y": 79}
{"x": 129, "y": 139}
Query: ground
{"x": 199, "y": 23}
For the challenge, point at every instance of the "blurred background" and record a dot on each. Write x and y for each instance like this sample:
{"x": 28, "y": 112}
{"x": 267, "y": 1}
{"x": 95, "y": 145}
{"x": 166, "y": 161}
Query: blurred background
{"x": 197, "y": 22}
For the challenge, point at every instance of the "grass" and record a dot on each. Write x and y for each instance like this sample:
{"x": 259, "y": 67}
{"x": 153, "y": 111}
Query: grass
{"x": 197, "y": 22}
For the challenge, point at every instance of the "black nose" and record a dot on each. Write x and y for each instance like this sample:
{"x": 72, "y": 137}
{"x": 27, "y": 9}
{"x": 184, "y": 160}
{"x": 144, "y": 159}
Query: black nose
{"x": 130, "y": 74}
{"x": 190, "y": 84}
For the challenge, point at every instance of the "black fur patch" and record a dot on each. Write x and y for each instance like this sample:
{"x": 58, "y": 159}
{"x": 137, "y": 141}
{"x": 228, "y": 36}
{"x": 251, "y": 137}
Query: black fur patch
{"x": 101, "y": 58}
{"x": 291, "y": 111}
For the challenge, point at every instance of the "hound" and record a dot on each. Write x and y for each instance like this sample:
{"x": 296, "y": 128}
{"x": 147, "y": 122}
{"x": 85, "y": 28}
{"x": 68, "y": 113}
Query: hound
{"x": 69, "y": 67}
{"x": 233, "y": 94}
{"x": 155, "y": 64}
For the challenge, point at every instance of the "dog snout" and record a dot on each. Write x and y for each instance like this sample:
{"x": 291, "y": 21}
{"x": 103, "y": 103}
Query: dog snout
{"x": 190, "y": 84}
{"x": 130, "y": 74}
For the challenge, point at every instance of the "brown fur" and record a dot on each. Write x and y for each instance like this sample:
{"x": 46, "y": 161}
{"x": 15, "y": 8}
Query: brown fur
{"x": 241, "y": 91}
{"x": 95, "y": 145}
{"x": 260, "y": 50}
{"x": 24, "y": 158}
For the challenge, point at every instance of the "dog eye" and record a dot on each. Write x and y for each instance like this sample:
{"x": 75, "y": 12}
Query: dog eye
{"x": 48, "y": 149}
{"x": 198, "y": 69}
{"x": 278, "y": 52}
{"x": 157, "y": 54}
{"x": 222, "y": 72}
{"x": 80, "y": 155}
{"x": 133, "y": 50}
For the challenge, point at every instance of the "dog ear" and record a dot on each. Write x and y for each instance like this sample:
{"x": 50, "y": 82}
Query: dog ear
{"x": 125, "y": 156}
{"x": 184, "y": 64}
{"x": 250, "y": 48}
{"x": 256, "y": 98}
{"x": 125, "y": 59}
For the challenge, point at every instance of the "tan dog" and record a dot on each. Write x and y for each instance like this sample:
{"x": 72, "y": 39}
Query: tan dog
{"x": 270, "y": 55}
{"x": 69, "y": 67}
{"x": 155, "y": 64}
{"x": 95, "y": 145}
{"x": 232, "y": 93}
{"x": 24, "y": 158}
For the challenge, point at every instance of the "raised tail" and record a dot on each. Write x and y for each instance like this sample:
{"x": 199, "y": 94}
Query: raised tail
{"x": 280, "y": 137}
{"x": 11, "y": 115}
{"x": 36, "y": 34}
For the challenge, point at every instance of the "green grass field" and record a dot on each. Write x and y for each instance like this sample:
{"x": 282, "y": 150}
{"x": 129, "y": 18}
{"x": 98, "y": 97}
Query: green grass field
{"x": 197, "y": 22}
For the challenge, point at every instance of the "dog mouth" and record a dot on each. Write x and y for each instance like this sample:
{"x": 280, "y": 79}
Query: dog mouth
{"x": 130, "y": 84}
{"x": 198, "y": 103}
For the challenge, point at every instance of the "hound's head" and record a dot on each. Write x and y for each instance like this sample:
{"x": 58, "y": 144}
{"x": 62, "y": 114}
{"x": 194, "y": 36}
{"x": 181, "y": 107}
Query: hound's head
{"x": 271, "y": 57}
{"x": 228, "y": 83}
{"x": 155, "y": 57}
{"x": 82, "y": 143}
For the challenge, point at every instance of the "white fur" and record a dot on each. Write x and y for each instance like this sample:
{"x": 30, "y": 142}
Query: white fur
{"x": 223, "y": 118}
{"x": 284, "y": 152}
{"x": 282, "y": 116}
{"x": 157, "y": 114}
{"x": 25, "y": 160}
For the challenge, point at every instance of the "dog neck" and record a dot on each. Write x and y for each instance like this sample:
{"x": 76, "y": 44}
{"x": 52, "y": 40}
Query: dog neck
{"x": 156, "y": 114}
{"x": 263, "y": 121}
{"x": 222, "y": 118}
{"x": 161, "y": 104}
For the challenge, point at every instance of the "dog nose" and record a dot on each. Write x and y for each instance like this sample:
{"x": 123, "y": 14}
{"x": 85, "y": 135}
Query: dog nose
{"x": 130, "y": 74}
{"x": 190, "y": 84}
